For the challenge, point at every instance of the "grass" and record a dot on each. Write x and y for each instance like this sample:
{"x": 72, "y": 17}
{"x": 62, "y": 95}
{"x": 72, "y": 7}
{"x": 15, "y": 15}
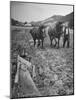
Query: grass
{"x": 52, "y": 64}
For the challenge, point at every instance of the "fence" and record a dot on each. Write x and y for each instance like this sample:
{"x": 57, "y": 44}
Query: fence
{"x": 27, "y": 86}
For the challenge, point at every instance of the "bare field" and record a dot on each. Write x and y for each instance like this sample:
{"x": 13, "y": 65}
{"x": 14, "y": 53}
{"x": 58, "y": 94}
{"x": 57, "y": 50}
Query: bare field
{"x": 54, "y": 67}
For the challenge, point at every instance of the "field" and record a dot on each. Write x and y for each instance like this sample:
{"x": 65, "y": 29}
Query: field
{"x": 54, "y": 67}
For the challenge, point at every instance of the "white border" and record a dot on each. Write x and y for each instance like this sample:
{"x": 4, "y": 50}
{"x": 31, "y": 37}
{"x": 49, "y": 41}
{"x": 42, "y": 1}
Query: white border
{"x": 5, "y": 48}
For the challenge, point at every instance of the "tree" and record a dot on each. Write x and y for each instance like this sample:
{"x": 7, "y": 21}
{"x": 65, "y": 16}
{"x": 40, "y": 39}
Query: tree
{"x": 25, "y": 22}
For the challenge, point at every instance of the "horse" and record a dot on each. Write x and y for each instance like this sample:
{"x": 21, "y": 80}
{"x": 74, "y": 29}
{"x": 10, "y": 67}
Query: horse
{"x": 55, "y": 33}
{"x": 38, "y": 33}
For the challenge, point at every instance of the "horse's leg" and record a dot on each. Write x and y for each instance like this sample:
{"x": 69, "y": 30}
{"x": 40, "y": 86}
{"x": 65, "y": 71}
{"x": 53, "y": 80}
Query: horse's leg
{"x": 64, "y": 41}
{"x": 42, "y": 42}
{"x": 55, "y": 42}
{"x": 58, "y": 41}
{"x": 34, "y": 42}
{"x": 50, "y": 41}
{"x": 38, "y": 43}
{"x": 68, "y": 42}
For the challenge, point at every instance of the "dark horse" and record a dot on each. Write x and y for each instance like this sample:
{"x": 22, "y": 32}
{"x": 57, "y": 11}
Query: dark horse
{"x": 38, "y": 34}
{"x": 55, "y": 32}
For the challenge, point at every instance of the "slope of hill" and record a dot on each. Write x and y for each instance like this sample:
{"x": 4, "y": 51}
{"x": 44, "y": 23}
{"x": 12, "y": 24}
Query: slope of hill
{"x": 67, "y": 18}
{"x": 16, "y": 22}
{"x": 47, "y": 21}
{"x": 52, "y": 19}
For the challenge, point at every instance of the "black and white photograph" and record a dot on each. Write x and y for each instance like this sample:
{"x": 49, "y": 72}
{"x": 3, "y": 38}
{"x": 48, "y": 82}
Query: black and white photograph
{"x": 41, "y": 49}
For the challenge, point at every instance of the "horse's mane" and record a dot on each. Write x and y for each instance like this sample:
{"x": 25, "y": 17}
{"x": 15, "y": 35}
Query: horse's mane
{"x": 54, "y": 26}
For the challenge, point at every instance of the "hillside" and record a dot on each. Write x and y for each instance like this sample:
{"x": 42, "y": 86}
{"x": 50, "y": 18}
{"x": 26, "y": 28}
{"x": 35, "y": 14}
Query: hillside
{"x": 68, "y": 17}
{"x": 52, "y": 19}
{"x": 55, "y": 18}
{"x": 48, "y": 20}
{"x": 16, "y": 22}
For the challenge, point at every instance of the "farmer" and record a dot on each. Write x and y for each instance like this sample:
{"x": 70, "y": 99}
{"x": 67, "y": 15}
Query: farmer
{"x": 66, "y": 37}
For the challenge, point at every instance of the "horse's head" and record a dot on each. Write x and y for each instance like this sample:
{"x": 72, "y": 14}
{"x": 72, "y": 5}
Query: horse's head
{"x": 41, "y": 27}
{"x": 59, "y": 27}
{"x": 42, "y": 30}
{"x": 44, "y": 33}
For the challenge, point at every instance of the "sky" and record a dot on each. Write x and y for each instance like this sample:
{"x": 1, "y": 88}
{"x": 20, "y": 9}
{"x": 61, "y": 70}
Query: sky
{"x": 37, "y": 12}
